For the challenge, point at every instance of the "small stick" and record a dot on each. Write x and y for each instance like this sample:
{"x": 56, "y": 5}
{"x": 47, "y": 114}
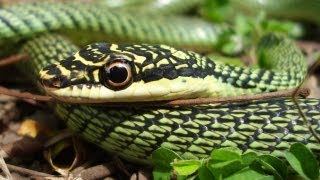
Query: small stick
{"x": 62, "y": 135}
{"x": 295, "y": 99}
{"x": 308, "y": 46}
{"x": 13, "y": 59}
{"x": 4, "y": 168}
{"x": 27, "y": 171}
{"x": 24, "y": 95}
{"x": 283, "y": 93}
{"x": 120, "y": 165}
{"x": 304, "y": 92}
{"x": 97, "y": 172}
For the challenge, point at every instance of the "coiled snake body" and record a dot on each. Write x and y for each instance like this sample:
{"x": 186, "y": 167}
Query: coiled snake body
{"x": 103, "y": 72}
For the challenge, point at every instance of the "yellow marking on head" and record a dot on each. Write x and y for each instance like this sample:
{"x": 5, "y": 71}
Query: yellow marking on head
{"x": 181, "y": 66}
{"x": 139, "y": 59}
{"x": 75, "y": 92}
{"x": 85, "y": 91}
{"x": 173, "y": 61}
{"x": 163, "y": 62}
{"x": 180, "y": 54}
{"x": 154, "y": 55}
{"x": 95, "y": 75}
{"x": 87, "y": 62}
{"x": 64, "y": 71}
{"x": 44, "y": 75}
{"x": 149, "y": 66}
{"x": 114, "y": 47}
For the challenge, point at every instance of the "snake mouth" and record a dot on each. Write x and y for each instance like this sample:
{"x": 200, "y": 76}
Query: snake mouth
{"x": 76, "y": 94}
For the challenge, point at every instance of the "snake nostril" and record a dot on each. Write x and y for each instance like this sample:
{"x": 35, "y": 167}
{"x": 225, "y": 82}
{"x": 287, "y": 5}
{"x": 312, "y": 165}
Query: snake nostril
{"x": 54, "y": 82}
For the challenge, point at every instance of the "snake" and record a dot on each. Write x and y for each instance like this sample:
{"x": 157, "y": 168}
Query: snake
{"x": 133, "y": 133}
{"x": 291, "y": 9}
{"x": 82, "y": 80}
{"x": 86, "y": 23}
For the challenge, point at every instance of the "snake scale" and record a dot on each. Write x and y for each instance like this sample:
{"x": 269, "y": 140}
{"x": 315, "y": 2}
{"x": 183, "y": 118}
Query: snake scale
{"x": 133, "y": 133}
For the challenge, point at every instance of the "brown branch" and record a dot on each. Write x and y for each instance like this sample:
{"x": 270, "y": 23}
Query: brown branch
{"x": 13, "y": 59}
{"x": 62, "y": 135}
{"x": 295, "y": 99}
{"x": 97, "y": 172}
{"x": 309, "y": 46}
{"x": 4, "y": 169}
{"x": 120, "y": 165}
{"x": 28, "y": 171}
{"x": 24, "y": 95}
{"x": 182, "y": 102}
{"x": 304, "y": 92}
{"x": 142, "y": 174}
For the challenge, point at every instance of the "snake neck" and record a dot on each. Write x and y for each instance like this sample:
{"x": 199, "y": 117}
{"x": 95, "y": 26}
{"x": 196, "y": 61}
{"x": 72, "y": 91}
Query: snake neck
{"x": 284, "y": 67}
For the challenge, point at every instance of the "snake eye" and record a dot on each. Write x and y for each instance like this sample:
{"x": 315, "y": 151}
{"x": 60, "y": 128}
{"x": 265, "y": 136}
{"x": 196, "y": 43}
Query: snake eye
{"x": 116, "y": 74}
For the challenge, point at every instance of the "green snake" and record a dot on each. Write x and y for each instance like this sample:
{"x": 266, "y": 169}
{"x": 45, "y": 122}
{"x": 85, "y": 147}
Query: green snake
{"x": 293, "y": 9}
{"x": 192, "y": 131}
{"x": 90, "y": 23}
{"x": 162, "y": 73}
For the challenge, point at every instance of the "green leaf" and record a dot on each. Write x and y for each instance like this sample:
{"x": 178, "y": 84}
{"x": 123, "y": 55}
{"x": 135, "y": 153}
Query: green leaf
{"x": 226, "y": 168}
{"x": 302, "y": 160}
{"x": 270, "y": 164}
{"x": 181, "y": 177}
{"x": 248, "y": 173}
{"x": 186, "y": 167}
{"x": 204, "y": 173}
{"x": 248, "y": 158}
{"x": 161, "y": 174}
{"x": 216, "y": 10}
{"x": 163, "y": 157}
{"x": 226, "y": 154}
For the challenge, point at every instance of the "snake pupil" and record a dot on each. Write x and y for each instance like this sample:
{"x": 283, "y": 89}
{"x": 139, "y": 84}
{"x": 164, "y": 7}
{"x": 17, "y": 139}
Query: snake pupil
{"x": 118, "y": 74}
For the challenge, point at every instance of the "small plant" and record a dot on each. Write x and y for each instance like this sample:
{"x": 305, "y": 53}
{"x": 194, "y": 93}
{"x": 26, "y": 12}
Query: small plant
{"x": 230, "y": 163}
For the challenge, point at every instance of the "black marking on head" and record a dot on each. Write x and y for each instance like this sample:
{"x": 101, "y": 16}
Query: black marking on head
{"x": 52, "y": 70}
{"x": 169, "y": 69}
{"x": 95, "y": 52}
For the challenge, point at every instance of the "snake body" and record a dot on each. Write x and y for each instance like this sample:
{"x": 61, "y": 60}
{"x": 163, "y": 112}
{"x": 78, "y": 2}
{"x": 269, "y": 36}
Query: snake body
{"x": 89, "y": 23}
{"x": 192, "y": 131}
{"x": 268, "y": 126}
{"x": 292, "y": 9}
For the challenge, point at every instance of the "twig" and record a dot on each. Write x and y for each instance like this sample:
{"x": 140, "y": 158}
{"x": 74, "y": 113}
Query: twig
{"x": 182, "y": 102}
{"x": 24, "y": 95}
{"x": 120, "y": 165}
{"x": 141, "y": 175}
{"x": 295, "y": 99}
{"x": 4, "y": 169}
{"x": 97, "y": 172}
{"x": 308, "y": 46}
{"x": 28, "y": 171}
{"x": 62, "y": 135}
{"x": 13, "y": 59}
{"x": 304, "y": 92}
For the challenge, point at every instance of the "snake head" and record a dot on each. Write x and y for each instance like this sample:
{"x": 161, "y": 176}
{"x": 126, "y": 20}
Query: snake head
{"x": 103, "y": 72}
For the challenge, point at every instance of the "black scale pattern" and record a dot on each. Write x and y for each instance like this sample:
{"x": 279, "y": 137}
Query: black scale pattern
{"x": 266, "y": 126}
